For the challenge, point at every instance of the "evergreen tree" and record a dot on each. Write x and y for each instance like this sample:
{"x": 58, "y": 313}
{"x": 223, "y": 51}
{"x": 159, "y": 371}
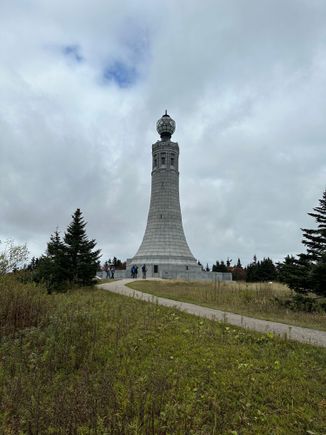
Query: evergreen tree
{"x": 53, "y": 268}
{"x": 252, "y": 272}
{"x": 318, "y": 276}
{"x": 315, "y": 239}
{"x": 83, "y": 259}
{"x": 264, "y": 270}
{"x": 219, "y": 267}
{"x": 267, "y": 270}
{"x": 307, "y": 273}
{"x": 296, "y": 272}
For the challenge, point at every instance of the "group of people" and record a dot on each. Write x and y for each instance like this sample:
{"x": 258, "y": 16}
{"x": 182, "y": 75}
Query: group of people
{"x": 134, "y": 271}
{"x": 109, "y": 270}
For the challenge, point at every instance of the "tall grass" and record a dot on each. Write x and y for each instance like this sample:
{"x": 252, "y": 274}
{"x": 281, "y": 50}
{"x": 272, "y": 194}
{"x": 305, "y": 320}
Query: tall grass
{"x": 21, "y": 305}
{"x": 106, "y": 364}
{"x": 261, "y": 300}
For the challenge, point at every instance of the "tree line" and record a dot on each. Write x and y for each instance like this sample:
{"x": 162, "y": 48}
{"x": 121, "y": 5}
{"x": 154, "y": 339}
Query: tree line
{"x": 304, "y": 273}
{"x": 256, "y": 271}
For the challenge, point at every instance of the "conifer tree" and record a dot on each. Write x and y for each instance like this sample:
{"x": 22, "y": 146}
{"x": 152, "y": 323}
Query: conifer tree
{"x": 264, "y": 270}
{"x": 315, "y": 239}
{"x": 296, "y": 273}
{"x": 82, "y": 257}
{"x": 307, "y": 273}
{"x": 53, "y": 268}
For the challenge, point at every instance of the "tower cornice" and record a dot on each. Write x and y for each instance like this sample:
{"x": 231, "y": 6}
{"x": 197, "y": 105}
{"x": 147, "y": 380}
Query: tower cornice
{"x": 162, "y": 145}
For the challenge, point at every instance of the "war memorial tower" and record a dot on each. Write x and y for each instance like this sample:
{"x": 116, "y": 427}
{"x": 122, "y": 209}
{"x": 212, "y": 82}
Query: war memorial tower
{"x": 164, "y": 249}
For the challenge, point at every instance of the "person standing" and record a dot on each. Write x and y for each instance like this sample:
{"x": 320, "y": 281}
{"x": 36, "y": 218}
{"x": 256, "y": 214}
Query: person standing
{"x": 106, "y": 269}
{"x": 144, "y": 270}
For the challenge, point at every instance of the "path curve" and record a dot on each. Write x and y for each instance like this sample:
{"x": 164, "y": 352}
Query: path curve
{"x": 291, "y": 332}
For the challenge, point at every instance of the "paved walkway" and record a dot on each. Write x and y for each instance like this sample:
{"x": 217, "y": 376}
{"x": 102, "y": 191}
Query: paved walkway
{"x": 290, "y": 332}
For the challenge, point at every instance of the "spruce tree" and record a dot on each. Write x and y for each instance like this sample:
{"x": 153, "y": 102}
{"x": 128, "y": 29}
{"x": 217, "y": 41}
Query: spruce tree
{"x": 307, "y": 273}
{"x": 53, "y": 268}
{"x": 315, "y": 239}
{"x": 82, "y": 257}
{"x": 264, "y": 270}
{"x": 296, "y": 273}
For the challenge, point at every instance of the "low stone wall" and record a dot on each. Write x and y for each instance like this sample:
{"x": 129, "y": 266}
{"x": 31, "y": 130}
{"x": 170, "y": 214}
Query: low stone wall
{"x": 174, "y": 274}
{"x": 118, "y": 274}
{"x": 200, "y": 276}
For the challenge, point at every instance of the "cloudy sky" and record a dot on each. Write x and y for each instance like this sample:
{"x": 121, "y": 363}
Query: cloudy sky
{"x": 83, "y": 82}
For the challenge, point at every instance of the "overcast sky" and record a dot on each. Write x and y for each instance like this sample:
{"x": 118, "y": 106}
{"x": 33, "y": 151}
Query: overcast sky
{"x": 82, "y": 84}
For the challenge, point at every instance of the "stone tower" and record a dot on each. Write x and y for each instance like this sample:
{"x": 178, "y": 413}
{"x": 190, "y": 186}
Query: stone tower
{"x": 164, "y": 249}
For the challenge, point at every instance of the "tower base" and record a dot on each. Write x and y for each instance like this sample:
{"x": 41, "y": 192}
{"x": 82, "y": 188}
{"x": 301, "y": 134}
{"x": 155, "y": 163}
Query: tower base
{"x": 162, "y": 269}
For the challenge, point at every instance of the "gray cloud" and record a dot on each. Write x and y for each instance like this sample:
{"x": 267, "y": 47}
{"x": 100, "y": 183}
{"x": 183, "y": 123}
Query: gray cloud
{"x": 246, "y": 84}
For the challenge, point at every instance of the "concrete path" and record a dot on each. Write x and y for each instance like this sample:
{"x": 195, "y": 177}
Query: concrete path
{"x": 290, "y": 332}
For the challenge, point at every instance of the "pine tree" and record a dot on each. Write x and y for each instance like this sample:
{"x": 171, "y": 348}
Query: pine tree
{"x": 296, "y": 273}
{"x": 252, "y": 271}
{"x": 315, "y": 239}
{"x": 53, "y": 268}
{"x": 219, "y": 267}
{"x": 307, "y": 273}
{"x": 264, "y": 270}
{"x": 267, "y": 270}
{"x": 83, "y": 259}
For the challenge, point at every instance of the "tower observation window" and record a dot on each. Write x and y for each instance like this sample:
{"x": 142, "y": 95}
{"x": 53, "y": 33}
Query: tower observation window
{"x": 172, "y": 159}
{"x": 163, "y": 159}
{"x": 155, "y": 162}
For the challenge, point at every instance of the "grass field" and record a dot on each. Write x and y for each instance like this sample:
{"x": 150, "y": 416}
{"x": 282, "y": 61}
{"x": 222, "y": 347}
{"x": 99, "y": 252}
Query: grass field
{"x": 250, "y": 299}
{"x": 92, "y": 362}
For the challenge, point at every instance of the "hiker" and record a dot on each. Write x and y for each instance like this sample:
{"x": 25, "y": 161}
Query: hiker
{"x": 144, "y": 270}
{"x": 112, "y": 272}
{"x": 136, "y": 271}
{"x": 106, "y": 269}
{"x": 133, "y": 272}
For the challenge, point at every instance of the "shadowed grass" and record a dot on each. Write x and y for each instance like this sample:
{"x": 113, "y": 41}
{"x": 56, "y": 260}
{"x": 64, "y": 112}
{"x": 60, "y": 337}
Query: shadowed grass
{"x": 107, "y": 364}
{"x": 259, "y": 300}
{"x": 21, "y": 305}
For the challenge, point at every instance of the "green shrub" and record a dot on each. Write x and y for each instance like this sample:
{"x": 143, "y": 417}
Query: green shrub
{"x": 300, "y": 302}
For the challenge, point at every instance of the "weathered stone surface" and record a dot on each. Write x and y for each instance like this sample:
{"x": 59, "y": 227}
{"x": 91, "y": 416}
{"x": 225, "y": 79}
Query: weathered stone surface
{"x": 164, "y": 249}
